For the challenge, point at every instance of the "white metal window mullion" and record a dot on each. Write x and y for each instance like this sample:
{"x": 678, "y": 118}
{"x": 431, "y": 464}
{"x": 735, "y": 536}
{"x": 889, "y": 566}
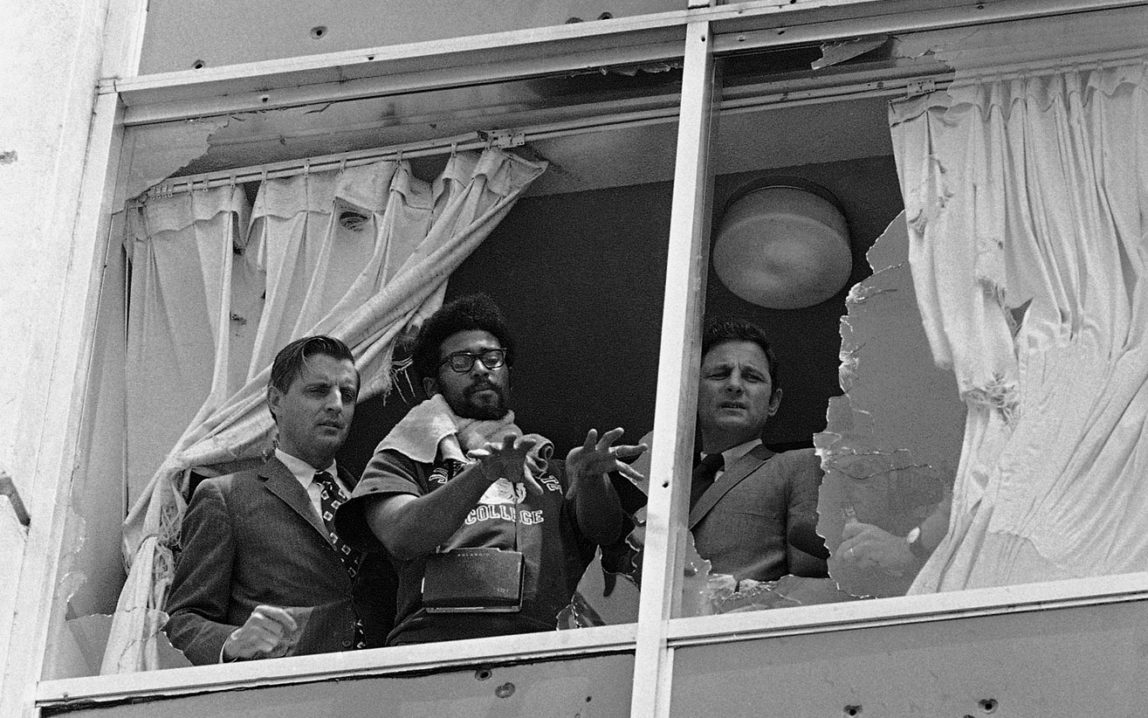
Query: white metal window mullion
{"x": 677, "y": 379}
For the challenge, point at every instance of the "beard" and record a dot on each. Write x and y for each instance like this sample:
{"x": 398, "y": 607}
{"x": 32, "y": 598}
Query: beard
{"x": 468, "y": 408}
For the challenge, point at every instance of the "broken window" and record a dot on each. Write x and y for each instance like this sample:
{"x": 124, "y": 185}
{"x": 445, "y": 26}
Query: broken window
{"x": 802, "y": 191}
{"x": 993, "y": 229}
{"x": 222, "y": 261}
{"x": 579, "y": 266}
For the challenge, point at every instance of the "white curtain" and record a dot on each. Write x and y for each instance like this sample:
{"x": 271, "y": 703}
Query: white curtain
{"x": 362, "y": 254}
{"x": 1027, "y": 200}
{"x": 181, "y": 250}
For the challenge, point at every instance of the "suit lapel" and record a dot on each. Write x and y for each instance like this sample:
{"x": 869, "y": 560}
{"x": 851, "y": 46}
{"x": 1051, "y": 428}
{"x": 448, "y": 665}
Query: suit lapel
{"x": 742, "y": 468}
{"x": 280, "y": 481}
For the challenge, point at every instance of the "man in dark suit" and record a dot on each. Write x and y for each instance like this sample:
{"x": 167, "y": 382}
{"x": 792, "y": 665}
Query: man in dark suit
{"x": 749, "y": 505}
{"x": 262, "y": 573}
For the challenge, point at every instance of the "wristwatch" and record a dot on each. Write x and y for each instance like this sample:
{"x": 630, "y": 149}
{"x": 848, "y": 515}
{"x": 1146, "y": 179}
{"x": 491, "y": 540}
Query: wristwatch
{"x": 913, "y": 538}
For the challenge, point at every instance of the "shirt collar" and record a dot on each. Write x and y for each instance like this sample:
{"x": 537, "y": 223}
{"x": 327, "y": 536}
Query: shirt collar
{"x": 733, "y": 454}
{"x": 303, "y": 472}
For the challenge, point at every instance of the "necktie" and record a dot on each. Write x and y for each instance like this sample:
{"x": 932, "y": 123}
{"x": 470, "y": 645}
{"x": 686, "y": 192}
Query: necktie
{"x": 703, "y": 476}
{"x": 330, "y": 498}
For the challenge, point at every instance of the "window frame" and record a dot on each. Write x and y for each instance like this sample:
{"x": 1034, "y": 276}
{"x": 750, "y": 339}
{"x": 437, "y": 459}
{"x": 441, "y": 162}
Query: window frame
{"x": 699, "y": 35}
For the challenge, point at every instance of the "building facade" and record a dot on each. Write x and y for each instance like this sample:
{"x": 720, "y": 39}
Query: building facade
{"x": 649, "y": 117}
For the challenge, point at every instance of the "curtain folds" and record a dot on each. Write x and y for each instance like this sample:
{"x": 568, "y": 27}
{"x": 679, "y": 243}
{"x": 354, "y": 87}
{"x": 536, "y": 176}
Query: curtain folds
{"x": 182, "y": 251}
{"x": 1026, "y": 204}
{"x": 362, "y": 254}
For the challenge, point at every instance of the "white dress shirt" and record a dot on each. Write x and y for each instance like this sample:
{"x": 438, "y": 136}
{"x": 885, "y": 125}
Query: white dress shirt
{"x": 304, "y": 473}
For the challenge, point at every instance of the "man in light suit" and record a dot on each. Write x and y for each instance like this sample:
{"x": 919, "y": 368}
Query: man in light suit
{"x": 749, "y": 506}
{"x": 262, "y": 573}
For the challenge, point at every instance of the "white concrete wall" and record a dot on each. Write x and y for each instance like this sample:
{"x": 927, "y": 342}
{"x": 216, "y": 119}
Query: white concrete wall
{"x": 50, "y": 51}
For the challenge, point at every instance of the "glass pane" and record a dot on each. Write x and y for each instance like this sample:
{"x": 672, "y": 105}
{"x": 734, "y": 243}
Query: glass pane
{"x": 808, "y": 252}
{"x": 195, "y": 35}
{"x": 565, "y": 231}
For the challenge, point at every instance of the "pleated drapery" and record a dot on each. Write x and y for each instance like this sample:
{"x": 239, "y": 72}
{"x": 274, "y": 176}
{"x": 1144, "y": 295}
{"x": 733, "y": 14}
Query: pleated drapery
{"x": 362, "y": 254}
{"x": 1027, "y": 201}
{"x": 183, "y": 253}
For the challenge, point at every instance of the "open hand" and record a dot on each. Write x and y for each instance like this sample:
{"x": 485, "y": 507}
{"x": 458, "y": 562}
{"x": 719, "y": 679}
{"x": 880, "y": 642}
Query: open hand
{"x": 599, "y": 456}
{"x": 507, "y": 461}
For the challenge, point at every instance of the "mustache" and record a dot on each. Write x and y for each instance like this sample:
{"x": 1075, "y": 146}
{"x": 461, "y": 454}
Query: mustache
{"x": 482, "y": 385}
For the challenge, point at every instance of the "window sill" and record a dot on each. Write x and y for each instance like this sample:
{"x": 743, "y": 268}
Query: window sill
{"x": 682, "y": 632}
{"x": 953, "y": 605}
{"x": 525, "y": 648}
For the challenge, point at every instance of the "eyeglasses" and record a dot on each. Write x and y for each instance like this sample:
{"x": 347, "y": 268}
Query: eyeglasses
{"x": 463, "y": 362}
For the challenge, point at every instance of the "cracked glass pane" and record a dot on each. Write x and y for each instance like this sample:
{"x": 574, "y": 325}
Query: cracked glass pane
{"x": 893, "y": 440}
{"x": 801, "y": 192}
{"x": 849, "y": 453}
{"x": 889, "y": 453}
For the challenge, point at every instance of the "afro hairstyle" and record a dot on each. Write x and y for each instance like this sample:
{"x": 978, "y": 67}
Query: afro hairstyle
{"x": 472, "y": 312}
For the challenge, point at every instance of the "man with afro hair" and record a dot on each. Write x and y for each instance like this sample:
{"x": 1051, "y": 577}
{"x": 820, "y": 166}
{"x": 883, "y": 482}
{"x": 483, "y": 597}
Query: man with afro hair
{"x": 488, "y": 533}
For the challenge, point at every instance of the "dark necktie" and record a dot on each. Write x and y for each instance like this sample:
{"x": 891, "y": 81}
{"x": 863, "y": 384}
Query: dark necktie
{"x": 331, "y": 498}
{"x": 703, "y": 476}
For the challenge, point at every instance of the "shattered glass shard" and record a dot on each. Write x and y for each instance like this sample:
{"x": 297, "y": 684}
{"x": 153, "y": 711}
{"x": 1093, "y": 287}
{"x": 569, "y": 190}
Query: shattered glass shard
{"x": 892, "y": 442}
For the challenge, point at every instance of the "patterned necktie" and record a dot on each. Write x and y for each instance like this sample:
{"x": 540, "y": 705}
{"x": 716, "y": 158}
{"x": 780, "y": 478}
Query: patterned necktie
{"x": 703, "y": 476}
{"x": 330, "y": 498}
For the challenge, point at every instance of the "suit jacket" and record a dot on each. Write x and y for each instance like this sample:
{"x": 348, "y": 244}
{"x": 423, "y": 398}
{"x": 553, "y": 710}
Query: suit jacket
{"x": 741, "y": 523}
{"x": 254, "y": 538}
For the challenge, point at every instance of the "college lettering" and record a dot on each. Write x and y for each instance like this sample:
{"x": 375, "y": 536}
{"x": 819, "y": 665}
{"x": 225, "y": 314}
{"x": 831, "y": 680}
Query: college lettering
{"x": 503, "y": 512}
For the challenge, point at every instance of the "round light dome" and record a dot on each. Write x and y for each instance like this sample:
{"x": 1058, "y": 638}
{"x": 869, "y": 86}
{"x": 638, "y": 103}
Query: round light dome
{"x": 783, "y": 245}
